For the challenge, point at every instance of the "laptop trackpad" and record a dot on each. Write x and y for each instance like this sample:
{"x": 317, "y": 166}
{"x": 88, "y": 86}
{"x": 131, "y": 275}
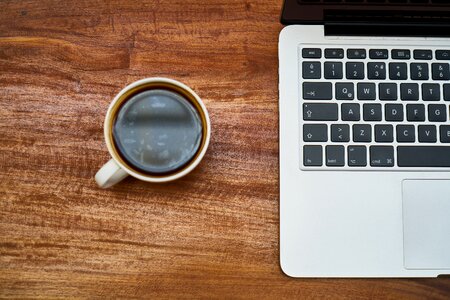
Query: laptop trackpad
{"x": 426, "y": 224}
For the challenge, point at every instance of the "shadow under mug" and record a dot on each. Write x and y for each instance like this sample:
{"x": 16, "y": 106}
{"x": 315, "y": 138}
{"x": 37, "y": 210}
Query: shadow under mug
{"x": 117, "y": 168}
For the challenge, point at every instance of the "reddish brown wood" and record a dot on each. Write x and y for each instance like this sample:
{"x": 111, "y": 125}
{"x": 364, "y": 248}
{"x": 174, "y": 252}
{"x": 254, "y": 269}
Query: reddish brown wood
{"x": 212, "y": 234}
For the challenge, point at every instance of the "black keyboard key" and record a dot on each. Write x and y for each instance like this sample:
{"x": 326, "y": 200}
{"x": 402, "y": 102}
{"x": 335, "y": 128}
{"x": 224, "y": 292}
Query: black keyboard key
{"x": 415, "y": 112}
{"x": 384, "y": 133}
{"x": 340, "y": 133}
{"x": 362, "y": 133}
{"x": 443, "y": 54}
{"x": 320, "y": 111}
{"x": 447, "y": 92}
{"x": 440, "y": 71}
{"x": 427, "y": 134}
{"x": 431, "y": 92}
{"x": 345, "y": 91}
{"x": 423, "y": 156}
{"x": 394, "y": 112}
{"x": 357, "y": 156}
{"x": 376, "y": 70}
{"x": 315, "y": 133}
{"x": 335, "y": 156}
{"x": 419, "y": 71}
{"x": 312, "y": 156}
{"x": 311, "y": 53}
{"x": 387, "y": 91}
{"x": 445, "y": 133}
{"x": 356, "y": 53}
{"x": 350, "y": 112}
{"x": 333, "y": 70}
{"x": 378, "y": 53}
{"x": 406, "y": 134}
{"x": 366, "y": 91}
{"x": 334, "y": 53}
{"x": 398, "y": 71}
{"x": 423, "y": 54}
{"x": 354, "y": 70}
{"x": 311, "y": 70}
{"x": 409, "y": 91}
{"x": 382, "y": 156}
{"x": 372, "y": 112}
{"x": 437, "y": 112}
{"x": 400, "y": 54}
{"x": 317, "y": 90}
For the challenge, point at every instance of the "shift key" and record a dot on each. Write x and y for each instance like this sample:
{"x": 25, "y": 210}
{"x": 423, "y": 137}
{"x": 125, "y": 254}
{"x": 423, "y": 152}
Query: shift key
{"x": 317, "y": 90}
{"x": 320, "y": 111}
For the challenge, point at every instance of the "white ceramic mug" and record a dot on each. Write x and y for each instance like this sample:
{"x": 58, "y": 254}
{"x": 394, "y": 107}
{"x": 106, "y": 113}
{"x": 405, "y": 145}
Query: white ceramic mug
{"x": 117, "y": 168}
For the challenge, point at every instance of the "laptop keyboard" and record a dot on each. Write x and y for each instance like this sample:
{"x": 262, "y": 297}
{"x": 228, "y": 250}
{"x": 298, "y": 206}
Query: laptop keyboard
{"x": 374, "y": 108}
{"x": 376, "y": 2}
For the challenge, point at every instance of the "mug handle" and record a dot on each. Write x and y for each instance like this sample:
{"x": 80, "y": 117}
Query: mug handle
{"x": 110, "y": 174}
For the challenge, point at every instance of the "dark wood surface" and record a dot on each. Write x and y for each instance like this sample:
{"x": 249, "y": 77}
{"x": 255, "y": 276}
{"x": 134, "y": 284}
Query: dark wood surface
{"x": 212, "y": 234}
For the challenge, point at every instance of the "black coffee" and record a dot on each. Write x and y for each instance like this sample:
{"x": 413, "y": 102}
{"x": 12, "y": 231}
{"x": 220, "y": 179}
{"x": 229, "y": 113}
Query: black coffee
{"x": 157, "y": 131}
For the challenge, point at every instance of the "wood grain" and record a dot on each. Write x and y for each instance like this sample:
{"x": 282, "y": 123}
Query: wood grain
{"x": 212, "y": 234}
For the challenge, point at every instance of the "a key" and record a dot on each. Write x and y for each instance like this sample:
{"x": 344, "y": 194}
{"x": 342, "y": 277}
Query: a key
{"x": 447, "y": 92}
{"x": 376, "y": 70}
{"x": 366, "y": 91}
{"x": 335, "y": 156}
{"x": 356, "y": 53}
{"x": 320, "y": 111}
{"x": 317, "y": 90}
{"x": 334, "y": 53}
{"x": 372, "y": 112}
{"x": 398, "y": 71}
{"x": 443, "y": 54}
{"x": 384, "y": 133}
{"x": 312, "y": 156}
{"x": 409, "y": 91}
{"x": 345, "y": 91}
{"x": 382, "y": 156}
{"x": 400, "y": 54}
{"x": 387, "y": 91}
{"x": 423, "y": 156}
{"x": 350, "y": 112}
{"x": 437, "y": 113}
{"x": 427, "y": 134}
{"x": 354, "y": 70}
{"x": 415, "y": 112}
{"x": 406, "y": 134}
{"x": 311, "y": 53}
{"x": 419, "y": 71}
{"x": 311, "y": 70}
{"x": 333, "y": 70}
{"x": 440, "y": 71}
{"x": 357, "y": 156}
{"x": 431, "y": 92}
{"x": 362, "y": 133}
{"x": 378, "y": 53}
{"x": 394, "y": 112}
{"x": 315, "y": 133}
{"x": 445, "y": 133}
{"x": 423, "y": 54}
{"x": 340, "y": 133}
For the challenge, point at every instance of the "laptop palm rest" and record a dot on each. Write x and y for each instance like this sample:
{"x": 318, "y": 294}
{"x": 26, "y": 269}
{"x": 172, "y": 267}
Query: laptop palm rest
{"x": 426, "y": 224}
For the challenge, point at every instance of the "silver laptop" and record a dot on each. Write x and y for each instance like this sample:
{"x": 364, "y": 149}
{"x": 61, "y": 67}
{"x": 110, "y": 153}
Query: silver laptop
{"x": 365, "y": 138}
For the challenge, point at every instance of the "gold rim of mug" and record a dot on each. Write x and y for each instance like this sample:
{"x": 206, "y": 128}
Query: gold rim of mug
{"x": 154, "y": 83}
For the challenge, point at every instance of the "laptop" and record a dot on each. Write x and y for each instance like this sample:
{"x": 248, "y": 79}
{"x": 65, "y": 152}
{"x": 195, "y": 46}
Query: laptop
{"x": 365, "y": 138}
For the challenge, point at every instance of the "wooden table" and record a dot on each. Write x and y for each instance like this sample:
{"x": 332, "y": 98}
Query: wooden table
{"x": 212, "y": 234}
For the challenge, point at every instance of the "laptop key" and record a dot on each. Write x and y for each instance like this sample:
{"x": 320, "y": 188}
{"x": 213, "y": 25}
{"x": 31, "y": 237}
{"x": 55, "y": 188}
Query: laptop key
{"x": 378, "y": 53}
{"x": 387, "y": 91}
{"x": 312, "y": 156}
{"x": 356, "y": 53}
{"x": 320, "y": 111}
{"x": 311, "y": 70}
{"x": 345, "y": 91}
{"x": 437, "y": 113}
{"x": 354, "y": 70}
{"x": 315, "y": 133}
{"x": 311, "y": 53}
{"x": 376, "y": 70}
{"x": 406, "y": 134}
{"x": 423, "y": 54}
{"x": 443, "y": 54}
{"x": 372, "y": 112}
{"x": 333, "y": 70}
{"x": 398, "y": 71}
{"x": 366, "y": 91}
{"x": 440, "y": 71}
{"x": 357, "y": 156}
{"x": 350, "y": 112}
{"x": 382, "y": 156}
{"x": 409, "y": 91}
{"x": 334, "y": 53}
{"x": 447, "y": 92}
{"x": 335, "y": 156}
{"x": 394, "y": 112}
{"x": 423, "y": 156}
{"x": 431, "y": 92}
{"x": 362, "y": 133}
{"x": 419, "y": 71}
{"x": 384, "y": 133}
{"x": 317, "y": 90}
{"x": 427, "y": 134}
{"x": 340, "y": 133}
{"x": 400, "y": 54}
{"x": 445, "y": 133}
{"x": 415, "y": 112}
